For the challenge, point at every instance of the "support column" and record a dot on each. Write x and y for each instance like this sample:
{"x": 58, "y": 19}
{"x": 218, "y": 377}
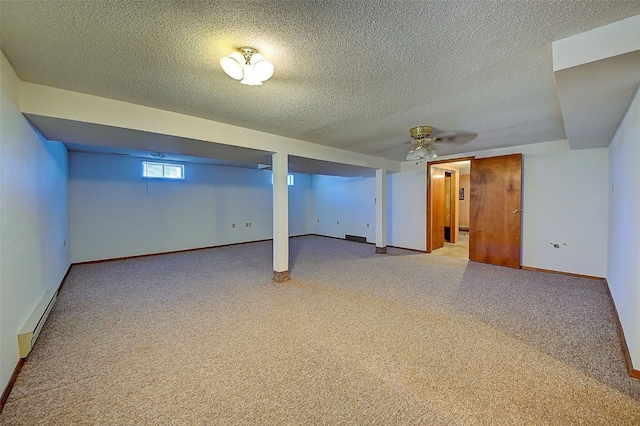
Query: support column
{"x": 280, "y": 165}
{"x": 381, "y": 211}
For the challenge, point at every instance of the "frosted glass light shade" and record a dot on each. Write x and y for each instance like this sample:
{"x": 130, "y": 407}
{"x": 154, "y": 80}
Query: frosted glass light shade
{"x": 249, "y": 79}
{"x": 419, "y": 153}
{"x": 232, "y": 67}
{"x": 255, "y": 58}
{"x": 410, "y": 155}
{"x": 263, "y": 70}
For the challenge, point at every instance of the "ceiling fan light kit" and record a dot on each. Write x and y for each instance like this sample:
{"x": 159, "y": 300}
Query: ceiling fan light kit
{"x": 248, "y": 66}
{"x": 424, "y": 141}
{"x": 420, "y": 152}
{"x": 422, "y": 137}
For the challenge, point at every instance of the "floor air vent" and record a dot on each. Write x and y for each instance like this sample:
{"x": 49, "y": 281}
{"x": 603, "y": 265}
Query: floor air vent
{"x": 355, "y": 238}
{"x": 31, "y": 330}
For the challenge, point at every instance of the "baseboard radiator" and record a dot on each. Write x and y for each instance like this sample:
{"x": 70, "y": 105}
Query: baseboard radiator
{"x": 31, "y": 330}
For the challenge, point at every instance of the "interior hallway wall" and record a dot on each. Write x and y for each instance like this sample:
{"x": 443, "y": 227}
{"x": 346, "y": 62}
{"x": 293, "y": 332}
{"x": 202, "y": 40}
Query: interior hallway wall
{"x": 623, "y": 271}
{"x": 115, "y": 212}
{"x": 34, "y": 227}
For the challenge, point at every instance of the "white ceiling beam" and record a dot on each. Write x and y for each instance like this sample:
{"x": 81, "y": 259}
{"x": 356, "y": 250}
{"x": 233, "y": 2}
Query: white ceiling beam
{"x": 63, "y": 104}
{"x": 597, "y": 73}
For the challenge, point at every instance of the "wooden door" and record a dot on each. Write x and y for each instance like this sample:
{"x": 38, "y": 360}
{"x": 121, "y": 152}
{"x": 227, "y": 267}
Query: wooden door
{"x": 437, "y": 208}
{"x": 494, "y": 212}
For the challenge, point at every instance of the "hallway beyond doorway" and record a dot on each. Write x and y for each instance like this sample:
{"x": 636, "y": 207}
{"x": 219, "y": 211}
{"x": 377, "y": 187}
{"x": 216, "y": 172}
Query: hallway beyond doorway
{"x": 459, "y": 250}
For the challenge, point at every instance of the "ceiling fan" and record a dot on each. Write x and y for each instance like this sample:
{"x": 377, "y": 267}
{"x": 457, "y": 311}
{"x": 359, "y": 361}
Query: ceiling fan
{"x": 426, "y": 139}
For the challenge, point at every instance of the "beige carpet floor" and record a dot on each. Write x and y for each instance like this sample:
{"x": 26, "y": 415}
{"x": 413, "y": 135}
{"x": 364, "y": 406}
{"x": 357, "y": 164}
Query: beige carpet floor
{"x": 459, "y": 249}
{"x": 205, "y": 337}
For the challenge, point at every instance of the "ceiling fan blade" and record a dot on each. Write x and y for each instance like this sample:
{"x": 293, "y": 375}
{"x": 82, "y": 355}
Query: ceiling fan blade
{"x": 457, "y": 137}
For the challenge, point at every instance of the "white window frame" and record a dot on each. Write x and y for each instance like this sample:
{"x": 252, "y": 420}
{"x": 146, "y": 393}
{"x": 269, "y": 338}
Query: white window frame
{"x": 165, "y": 166}
{"x": 290, "y": 179}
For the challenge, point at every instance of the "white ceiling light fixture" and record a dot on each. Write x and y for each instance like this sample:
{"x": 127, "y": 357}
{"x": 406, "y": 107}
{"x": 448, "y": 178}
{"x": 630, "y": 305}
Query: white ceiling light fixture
{"x": 248, "y": 66}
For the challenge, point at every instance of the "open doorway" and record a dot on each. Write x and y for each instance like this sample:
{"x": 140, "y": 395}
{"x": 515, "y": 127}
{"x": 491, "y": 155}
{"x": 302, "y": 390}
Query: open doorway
{"x": 495, "y": 213}
{"x": 448, "y": 207}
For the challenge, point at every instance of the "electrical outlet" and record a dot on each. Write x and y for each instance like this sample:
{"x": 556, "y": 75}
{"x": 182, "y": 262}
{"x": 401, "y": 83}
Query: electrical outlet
{"x": 233, "y": 225}
{"x": 249, "y": 224}
{"x": 367, "y": 225}
{"x": 337, "y": 222}
{"x": 64, "y": 244}
{"x": 318, "y": 220}
{"x": 246, "y": 225}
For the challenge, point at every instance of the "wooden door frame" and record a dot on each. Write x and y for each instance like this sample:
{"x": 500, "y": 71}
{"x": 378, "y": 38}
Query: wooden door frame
{"x": 454, "y": 208}
{"x": 438, "y": 196}
{"x": 429, "y": 195}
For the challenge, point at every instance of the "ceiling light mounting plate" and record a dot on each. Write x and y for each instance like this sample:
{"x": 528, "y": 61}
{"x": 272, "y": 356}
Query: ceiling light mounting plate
{"x": 247, "y": 53}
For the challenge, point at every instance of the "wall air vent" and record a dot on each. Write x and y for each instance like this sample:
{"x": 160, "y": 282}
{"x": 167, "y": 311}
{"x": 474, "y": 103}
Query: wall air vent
{"x": 355, "y": 238}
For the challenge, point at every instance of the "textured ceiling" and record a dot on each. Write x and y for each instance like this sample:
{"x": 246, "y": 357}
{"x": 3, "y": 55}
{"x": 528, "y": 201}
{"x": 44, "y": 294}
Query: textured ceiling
{"x": 355, "y": 75}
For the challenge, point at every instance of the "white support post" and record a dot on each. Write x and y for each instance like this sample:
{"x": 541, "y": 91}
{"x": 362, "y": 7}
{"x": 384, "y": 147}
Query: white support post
{"x": 280, "y": 165}
{"x": 381, "y": 211}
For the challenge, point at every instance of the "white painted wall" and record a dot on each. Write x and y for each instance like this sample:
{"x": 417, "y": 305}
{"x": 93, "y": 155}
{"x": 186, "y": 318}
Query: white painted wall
{"x": 623, "y": 271}
{"x": 33, "y": 219}
{"x": 566, "y": 202}
{"x": 350, "y": 201}
{"x": 407, "y": 209}
{"x": 301, "y": 205}
{"x": 344, "y": 205}
{"x": 115, "y": 212}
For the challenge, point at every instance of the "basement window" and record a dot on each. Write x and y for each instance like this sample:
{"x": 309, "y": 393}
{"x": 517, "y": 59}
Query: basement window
{"x": 162, "y": 170}
{"x": 290, "y": 180}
